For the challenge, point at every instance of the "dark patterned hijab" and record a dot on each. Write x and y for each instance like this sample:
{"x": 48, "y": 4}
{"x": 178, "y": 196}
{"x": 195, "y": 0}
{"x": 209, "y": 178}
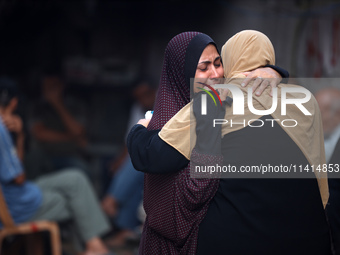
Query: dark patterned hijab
{"x": 180, "y": 62}
{"x": 174, "y": 203}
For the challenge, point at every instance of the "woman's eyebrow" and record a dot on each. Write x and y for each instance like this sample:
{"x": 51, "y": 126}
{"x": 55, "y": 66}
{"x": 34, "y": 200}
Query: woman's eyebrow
{"x": 208, "y": 61}
{"x": 219, "y": 57}
{"x": 205, "y": 62}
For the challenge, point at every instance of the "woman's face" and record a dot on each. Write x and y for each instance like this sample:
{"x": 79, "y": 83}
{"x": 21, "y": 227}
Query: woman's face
{"x": 209, "y": 67}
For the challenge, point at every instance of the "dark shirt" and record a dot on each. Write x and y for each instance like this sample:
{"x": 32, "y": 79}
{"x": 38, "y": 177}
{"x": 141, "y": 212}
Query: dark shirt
{"x": 264, "y": 216}
{"x": 46, "y": 114}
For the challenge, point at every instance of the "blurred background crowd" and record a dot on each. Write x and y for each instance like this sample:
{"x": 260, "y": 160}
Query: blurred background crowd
{"x": 81, "y": 73}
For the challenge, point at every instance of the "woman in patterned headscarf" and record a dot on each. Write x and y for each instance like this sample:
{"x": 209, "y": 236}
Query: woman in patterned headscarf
{"x": 174, "y": 203}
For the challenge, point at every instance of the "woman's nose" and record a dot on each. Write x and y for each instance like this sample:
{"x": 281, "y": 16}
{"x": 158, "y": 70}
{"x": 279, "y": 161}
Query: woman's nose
{"x": 214, "y": 72}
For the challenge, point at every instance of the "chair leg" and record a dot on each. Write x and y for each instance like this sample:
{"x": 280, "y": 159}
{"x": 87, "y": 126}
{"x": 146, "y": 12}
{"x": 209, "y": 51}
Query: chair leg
{"x": 55, "y": 239}
{"x": 1, "y": 240}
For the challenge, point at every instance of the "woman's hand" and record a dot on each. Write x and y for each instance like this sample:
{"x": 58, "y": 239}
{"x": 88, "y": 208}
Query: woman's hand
{"x": 110, "y": 206}
{"x": 144, "y": 122}
{"x": 13, "y": 123}
{"x": 263, "y": 77}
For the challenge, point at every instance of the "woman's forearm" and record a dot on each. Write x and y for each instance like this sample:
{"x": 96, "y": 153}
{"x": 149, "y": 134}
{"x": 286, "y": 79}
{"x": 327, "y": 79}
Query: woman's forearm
{"x": 150, "y": 154}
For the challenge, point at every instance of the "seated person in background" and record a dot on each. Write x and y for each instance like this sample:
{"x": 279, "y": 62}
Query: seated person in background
{"x": 66, "y": 195}
{"x": 9, "y": 103}
{"x": 126, "y": 189}
{"x": 329, "y": 102}
{"x": 57, "y": 126}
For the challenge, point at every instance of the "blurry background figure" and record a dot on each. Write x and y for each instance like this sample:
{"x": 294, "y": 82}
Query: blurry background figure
{"x": 8, "y": 111}
{"x": 126, "y": 188}
{"x": 58, "y": 125}
{"x": 329, "y": 102}
{"x": 66, "y": 196}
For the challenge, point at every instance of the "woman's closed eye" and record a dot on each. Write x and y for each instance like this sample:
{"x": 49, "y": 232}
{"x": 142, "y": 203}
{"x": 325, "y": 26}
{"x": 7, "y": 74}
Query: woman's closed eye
{"x": 217, "y": 62}
{"x": 203, "y": 67}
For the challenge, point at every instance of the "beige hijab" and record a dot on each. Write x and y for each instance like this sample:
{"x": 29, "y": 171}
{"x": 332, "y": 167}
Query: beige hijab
{"x": 246, "y": 51}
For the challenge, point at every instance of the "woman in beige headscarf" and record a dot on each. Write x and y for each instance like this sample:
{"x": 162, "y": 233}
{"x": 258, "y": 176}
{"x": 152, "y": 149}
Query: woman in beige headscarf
{"x": 257, "y": 215}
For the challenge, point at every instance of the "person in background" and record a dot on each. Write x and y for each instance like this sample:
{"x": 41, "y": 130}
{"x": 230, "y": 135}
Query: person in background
{"x": 126, "y": 188}
{"x": 329, "y": 102}
{"x": 9, "y": 104}
{"x": 58, "y": 125}
{"x": 61, "y": 196}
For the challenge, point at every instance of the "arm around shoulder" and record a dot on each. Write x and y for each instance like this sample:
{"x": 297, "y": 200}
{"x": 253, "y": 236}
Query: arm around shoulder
{"x": 150, "y": 154}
